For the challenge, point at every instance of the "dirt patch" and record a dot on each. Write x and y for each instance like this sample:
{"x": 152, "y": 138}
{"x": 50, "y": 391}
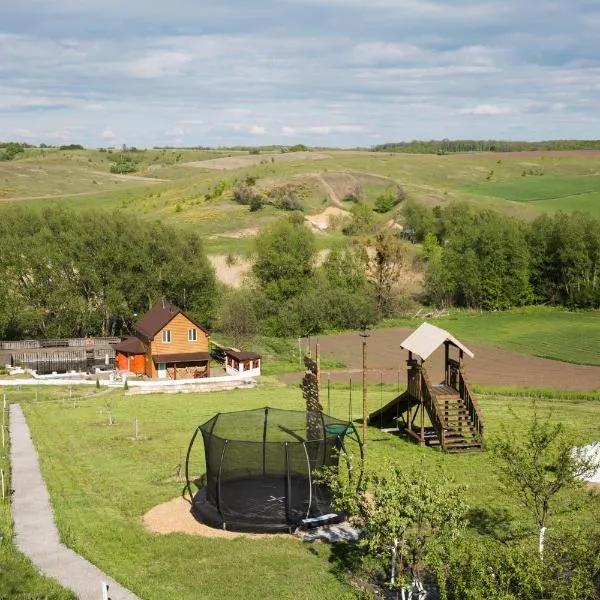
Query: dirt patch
{"x": 321, "y": 222}
{"x": 238, "y": 162}
{"x": 230, "y": 274}
{"x": 120, "y": 177}
{"x": 240, "y": 233}
{"x": 491, "y": 366}
{"x": 175, "y": 517}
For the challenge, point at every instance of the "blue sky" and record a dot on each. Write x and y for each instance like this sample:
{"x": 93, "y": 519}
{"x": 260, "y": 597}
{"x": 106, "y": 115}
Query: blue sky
{"x": 320, "y": 72}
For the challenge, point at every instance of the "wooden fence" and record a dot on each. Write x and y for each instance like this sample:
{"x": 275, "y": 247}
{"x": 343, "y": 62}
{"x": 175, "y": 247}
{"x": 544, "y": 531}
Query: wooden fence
{"x": 60, "y": 343}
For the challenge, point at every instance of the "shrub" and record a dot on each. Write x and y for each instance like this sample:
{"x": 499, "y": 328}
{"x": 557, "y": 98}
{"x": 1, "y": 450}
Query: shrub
{"x": 256, "y": 203}
{"x": 356, "y": 194}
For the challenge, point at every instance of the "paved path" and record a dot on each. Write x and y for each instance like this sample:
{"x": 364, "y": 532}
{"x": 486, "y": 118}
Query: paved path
{"x": 35, "y": 532}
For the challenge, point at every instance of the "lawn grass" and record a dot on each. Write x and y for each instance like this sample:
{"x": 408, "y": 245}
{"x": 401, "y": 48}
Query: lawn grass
{"x": 101, "y": 482}
{"x": 19, "y": 578}
{"x": 572, "y": 337}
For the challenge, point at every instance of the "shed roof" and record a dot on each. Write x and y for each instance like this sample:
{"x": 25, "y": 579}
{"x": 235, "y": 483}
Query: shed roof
{"x": 157, "y": 317}
{"x": 181, "y": 357}
{"x": 425, "y": 340}
{"x": 130, "y": 345}
{"x": 240, "y": 355}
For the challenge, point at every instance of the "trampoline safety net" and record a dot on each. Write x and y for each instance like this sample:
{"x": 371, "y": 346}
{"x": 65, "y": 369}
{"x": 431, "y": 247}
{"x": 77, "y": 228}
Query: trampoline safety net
{"x": 260, "y": 467}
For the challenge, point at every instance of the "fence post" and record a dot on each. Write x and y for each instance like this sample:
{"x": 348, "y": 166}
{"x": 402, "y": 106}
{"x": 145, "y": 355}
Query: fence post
{"x": 105, "y": 588}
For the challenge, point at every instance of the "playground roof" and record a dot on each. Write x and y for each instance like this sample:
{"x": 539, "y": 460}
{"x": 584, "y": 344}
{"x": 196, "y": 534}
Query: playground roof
{"x": 425, "y": 340}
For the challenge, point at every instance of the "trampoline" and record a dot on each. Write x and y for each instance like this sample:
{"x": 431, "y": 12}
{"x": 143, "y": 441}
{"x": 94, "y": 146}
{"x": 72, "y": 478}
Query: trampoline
{"x": 260, "y": 467}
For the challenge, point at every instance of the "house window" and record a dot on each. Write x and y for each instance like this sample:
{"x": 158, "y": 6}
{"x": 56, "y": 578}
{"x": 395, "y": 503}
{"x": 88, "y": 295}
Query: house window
{"x": 166, "y": 336}
{"x": 192, "y": 337}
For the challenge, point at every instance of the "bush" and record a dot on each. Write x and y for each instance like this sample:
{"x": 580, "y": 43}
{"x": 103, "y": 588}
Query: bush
{"x": 243, "y": 193}
{"x": 288, "y": 196}
{"x": 356, "y": 194}
{"x": 123, "y": 165}
{"x": 256, "y": 203}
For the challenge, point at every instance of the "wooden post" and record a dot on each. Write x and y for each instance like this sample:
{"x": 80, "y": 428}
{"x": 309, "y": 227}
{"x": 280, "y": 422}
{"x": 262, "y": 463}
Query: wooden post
{"x": 446, "y": 357}
{"x": 3, "y": 421}
{"x": 135, "y": 425}
{"x": 364, "y": 392}
{"x": 328, "y": 395}
{"x": 318, "y": 375}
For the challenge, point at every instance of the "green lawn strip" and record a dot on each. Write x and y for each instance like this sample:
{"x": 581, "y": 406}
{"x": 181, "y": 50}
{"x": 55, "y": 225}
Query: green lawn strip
{"x": 101, "y": 482}
{"x": 545, "y": 332}
{"x": 19, "y": 578}
{"x": 532, "y": 189}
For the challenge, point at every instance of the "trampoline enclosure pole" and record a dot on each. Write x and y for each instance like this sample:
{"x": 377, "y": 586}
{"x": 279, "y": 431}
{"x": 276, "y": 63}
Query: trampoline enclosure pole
{"x": 264, "y": 448}
{"x": 219, "y": 484}
{"x": 309, "y": 480}
{"x": 288, "y": 483}
{"x": 187, "y": 465}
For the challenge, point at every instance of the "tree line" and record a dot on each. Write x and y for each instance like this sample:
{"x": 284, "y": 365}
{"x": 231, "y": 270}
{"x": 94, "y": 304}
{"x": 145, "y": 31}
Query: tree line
{"x": 483, "y": 259}
{"x": 66, "y": 275}
{"x": 291, "y": 292}
{"x": 446, "y": 146}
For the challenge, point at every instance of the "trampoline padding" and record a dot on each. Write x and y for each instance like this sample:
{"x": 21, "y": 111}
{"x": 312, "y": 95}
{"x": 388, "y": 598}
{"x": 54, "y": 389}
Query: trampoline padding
{"x": 258, "y": 504}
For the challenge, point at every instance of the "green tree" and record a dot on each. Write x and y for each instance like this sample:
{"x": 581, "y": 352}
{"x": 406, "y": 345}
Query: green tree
{"x": 385, "y": 268}
{"x": 409, "y": 518}
{"x": 285, "y": 259}
{"x": 537, "y": 461}
{"x": 237, "y": 316}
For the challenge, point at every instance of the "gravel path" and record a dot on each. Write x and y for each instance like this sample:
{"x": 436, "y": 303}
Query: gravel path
{"x": 35, "y": 532}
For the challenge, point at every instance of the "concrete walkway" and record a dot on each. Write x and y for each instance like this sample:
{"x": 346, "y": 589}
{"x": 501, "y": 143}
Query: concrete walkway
{"x": 35, "y": 532}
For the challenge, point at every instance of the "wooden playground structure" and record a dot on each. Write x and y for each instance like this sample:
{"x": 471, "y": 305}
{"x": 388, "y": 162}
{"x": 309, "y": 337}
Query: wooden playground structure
{"x": 444, "y": 414}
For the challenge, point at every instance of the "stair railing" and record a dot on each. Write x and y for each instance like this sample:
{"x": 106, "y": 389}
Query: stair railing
{"x": 430, "y": 400}
{"x": 464, "y": 389}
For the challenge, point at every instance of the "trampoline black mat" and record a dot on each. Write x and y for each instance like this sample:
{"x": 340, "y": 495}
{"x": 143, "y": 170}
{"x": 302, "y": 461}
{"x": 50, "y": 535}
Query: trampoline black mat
{"x": 263, "y": 504}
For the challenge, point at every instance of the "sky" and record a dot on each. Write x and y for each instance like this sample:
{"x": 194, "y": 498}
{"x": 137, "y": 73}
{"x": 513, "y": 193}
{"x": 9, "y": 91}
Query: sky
{"x": 320, "y": 72}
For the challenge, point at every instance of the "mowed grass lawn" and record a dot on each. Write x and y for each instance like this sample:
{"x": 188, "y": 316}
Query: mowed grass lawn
{"x": 546, "y": 332}
{"x": 101, "y": 483}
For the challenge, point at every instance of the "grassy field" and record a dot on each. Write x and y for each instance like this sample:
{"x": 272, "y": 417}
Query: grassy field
{"x": 549, "y": 333}
{"x": 101, "y": 482}
{"x": 19, "y": 579}
{"x": 171, "y": 186}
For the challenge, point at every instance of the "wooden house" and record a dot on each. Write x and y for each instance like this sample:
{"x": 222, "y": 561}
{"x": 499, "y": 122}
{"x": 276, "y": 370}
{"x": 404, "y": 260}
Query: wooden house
{"x": 167, "y": 344}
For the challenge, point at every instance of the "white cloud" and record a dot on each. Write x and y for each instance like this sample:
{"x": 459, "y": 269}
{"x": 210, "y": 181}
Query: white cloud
{"x": 108, "y": 134}
{"x": 238, "y": 112}
{"x": 93, "y": 107}
{"x": 340, "y": 70}
{"x": 158, "y": 64}
{"x": 489, "y": 110}
{"x": 246, "y": 128}
{"x": 323, "y": 129}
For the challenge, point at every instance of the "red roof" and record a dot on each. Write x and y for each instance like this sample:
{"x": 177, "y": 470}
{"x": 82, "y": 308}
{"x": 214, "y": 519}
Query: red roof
{"x": 157, "y": 317}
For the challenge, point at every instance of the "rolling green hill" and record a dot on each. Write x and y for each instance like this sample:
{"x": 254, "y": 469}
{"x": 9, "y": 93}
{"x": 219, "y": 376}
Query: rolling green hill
{"x": 194, "y": 188}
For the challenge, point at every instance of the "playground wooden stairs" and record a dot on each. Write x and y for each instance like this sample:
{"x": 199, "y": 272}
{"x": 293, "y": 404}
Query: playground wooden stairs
{"x": 456, "y": 424}
{"x": 459, "y": 430}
